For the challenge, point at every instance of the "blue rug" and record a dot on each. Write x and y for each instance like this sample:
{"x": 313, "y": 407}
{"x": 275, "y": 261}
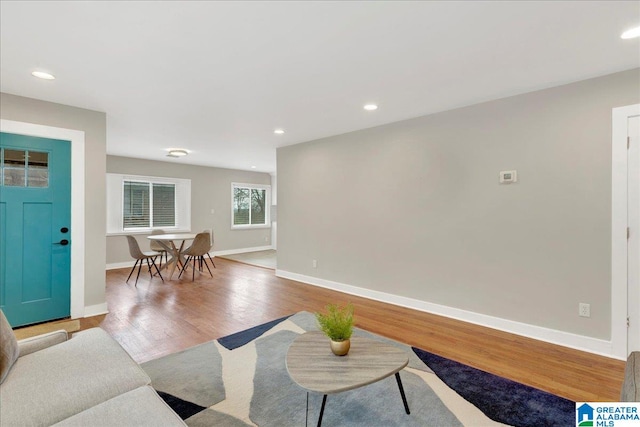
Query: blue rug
{"x": 501, "y": 399}
{"x": 241, "y": 380}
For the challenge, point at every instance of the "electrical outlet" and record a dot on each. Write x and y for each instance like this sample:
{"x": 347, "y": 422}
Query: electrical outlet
{"x": 315, "y": 263}
{"x": 508, "y": 177}
{"x": 584, "y": 310}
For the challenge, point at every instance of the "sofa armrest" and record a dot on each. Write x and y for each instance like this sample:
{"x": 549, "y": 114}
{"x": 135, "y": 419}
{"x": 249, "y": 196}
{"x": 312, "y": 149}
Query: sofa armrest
{"x": 40, "y": 342}
{"x": 631, "y": 384}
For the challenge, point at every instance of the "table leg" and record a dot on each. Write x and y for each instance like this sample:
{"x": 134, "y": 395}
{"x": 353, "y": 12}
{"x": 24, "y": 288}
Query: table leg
{"x": 324, "y": 400}
{"x": 404, "y": 398}
{"x": 169, "y": 250}
{"x": 306, "y": 413}
{"x": 175, "y": 257}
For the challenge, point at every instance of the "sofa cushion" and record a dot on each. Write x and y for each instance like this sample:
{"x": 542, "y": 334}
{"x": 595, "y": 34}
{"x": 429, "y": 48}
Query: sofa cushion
{"x": 60, "y": 381}
{"x": 9, "y": 350}
{"x": 140, "y": 407}
{"x": 630, "y": 392}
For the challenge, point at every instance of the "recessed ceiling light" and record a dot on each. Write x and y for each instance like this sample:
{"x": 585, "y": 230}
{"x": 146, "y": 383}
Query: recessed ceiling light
{"x": 253, "y": 167}
{"x": 43, "y": 75}
{"x": 177, "y": 152}
{"x": 278, "y": 131}
{"x": 370, "y": 107}
{"x": 631, "y": 34}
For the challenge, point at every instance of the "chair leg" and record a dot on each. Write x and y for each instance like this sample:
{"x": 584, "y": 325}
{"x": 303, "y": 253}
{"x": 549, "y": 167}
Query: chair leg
{"x": 206, "y": 265}
{"x": 193, "y": 273}
{"x": 130, "y": 273}
{"x": 149, "y": 266}
{"x": 214, "y": 266}
{"x": 184, "y": 266}
{"x": 139, "y": 269}
{"x": 153, "y": 261}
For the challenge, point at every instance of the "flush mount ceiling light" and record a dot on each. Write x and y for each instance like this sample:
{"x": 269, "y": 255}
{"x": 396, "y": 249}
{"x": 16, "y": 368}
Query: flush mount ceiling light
{"x": 177, "y": 152}
{"x": 278, "y": 131}
{"x": 43, "y": 75}
{"x": 253, "y": 167}
{"x": 370, "y": 107}
{"x": 631, "y": 34}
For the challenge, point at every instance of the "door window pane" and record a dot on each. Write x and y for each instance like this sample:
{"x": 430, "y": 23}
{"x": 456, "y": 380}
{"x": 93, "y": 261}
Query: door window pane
{"x": 22, "y": 168}
{"x": 14, "y": 158}
{"x": 38, "y": 169}
{"x": 14, "y": 168}
{"x": 14, "y": 177}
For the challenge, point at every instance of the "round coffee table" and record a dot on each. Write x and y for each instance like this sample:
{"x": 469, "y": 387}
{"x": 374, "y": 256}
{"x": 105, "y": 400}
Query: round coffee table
{"x": 313, "y": 366}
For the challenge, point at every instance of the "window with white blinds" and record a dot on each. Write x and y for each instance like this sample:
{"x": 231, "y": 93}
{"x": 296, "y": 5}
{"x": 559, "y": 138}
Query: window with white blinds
{"x": 148, "y": 205}
{"x": 164, "y": 205}
{"x": 142, "y": 204}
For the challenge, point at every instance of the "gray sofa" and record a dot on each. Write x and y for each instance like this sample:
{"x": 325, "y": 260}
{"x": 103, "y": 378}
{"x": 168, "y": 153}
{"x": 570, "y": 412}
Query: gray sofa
{"x": 631, "y": 384}
{"x": 88, "y": 380}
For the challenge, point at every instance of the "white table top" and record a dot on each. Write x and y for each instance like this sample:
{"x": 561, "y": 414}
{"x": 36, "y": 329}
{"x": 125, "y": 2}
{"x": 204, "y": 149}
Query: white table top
{"x": 313, "y": 366}
{"x": 174, "y": 236}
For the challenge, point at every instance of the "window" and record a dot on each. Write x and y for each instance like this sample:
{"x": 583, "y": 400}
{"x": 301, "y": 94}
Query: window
{"x": 250, "y": 205}
{"x": 24, "y": 168}
{"x": 141, "y": 204}
{"x": 148, "y": 205}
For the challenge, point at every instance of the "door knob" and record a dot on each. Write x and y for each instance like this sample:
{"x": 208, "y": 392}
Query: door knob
{"x": 63, "y": 242}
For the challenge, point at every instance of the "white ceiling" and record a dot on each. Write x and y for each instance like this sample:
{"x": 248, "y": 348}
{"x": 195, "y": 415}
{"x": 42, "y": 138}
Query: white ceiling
{"x": 217, "y": 78}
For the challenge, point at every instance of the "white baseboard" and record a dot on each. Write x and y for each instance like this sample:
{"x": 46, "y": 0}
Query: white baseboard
{"x": 241, "y": 250}
{"x": 117, "y": 265}
{"x": 94, "y": 310}
{"x": 565, "y": 339}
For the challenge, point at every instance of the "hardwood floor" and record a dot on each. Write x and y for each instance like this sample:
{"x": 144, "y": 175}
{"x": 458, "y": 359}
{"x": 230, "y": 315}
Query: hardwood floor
{"x": 156, "y": 319}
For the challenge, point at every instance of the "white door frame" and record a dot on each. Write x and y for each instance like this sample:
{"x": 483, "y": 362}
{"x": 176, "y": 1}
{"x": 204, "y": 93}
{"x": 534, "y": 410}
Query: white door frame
{"x": 633, "y": 243}
{"x": 77, "y": 199}
{"x": 619, "y": 223}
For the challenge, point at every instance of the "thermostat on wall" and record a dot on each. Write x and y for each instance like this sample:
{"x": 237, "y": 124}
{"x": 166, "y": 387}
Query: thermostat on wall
{"x": 507, "y": 177}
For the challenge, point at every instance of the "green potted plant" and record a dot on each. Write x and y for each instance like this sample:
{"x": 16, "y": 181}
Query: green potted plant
{"x": 337, "y": 324}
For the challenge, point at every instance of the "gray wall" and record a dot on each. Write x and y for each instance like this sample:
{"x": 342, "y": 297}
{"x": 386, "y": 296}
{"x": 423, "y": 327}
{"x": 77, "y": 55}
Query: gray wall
{"x": 210, "y": 189}
{"x": 414, "y": 208}
{"x": 93, "y": 124}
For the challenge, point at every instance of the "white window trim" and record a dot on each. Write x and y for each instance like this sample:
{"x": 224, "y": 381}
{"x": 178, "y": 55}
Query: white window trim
{"x": 267, "y": 206}
{"x": 115, "y": 187}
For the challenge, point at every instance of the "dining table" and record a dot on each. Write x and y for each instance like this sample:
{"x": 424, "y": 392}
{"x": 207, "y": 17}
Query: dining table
{"x": 174, "y": 244}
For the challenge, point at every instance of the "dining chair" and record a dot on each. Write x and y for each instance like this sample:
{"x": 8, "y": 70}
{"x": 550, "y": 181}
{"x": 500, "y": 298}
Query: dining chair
{"x": 139, "y": 256}
{"x": 157, "y": 247}
{"x": 211, "y": 247}
{"x": 201, "y": 245}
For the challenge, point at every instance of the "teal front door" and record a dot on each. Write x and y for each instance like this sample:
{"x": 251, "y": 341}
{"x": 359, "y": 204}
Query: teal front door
{"x": 35, "y": 235}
